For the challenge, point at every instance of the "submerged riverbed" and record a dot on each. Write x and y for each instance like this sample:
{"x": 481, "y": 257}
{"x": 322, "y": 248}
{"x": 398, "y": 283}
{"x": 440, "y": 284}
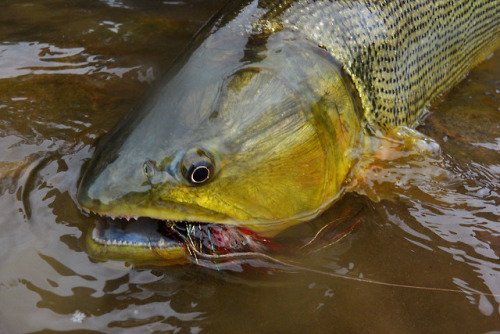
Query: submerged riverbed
{"x": 69, "y": 70}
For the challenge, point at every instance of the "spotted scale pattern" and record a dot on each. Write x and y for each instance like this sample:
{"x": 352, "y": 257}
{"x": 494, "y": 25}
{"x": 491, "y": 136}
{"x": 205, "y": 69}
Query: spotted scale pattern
{"x": 400, "y": 54}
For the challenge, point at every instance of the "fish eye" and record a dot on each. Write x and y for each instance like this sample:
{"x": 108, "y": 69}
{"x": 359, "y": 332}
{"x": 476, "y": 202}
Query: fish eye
{"x": 200, "y": 172}
{"x": 197, "y": 167}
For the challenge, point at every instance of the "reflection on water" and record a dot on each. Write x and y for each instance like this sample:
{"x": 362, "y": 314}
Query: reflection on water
{"x": 41, "y": 58}
{"x": 64, "y": 83}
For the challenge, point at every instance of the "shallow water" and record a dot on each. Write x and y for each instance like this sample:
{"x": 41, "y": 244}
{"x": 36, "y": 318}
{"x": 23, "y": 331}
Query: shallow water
{"x": 65, "y": 82}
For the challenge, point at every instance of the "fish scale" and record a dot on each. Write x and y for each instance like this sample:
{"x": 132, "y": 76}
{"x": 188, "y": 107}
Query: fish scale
{"x": 400, "y": 54}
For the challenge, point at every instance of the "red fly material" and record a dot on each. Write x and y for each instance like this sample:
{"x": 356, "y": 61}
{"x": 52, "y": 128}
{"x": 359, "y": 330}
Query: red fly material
{"x": 226, "y": 239}
{"x": 215, "y": 239}
{"x": 220, "y": 239}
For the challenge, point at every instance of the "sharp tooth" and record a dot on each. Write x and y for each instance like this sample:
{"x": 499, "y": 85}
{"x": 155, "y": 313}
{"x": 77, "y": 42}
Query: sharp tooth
{"x": 162, "y": 243}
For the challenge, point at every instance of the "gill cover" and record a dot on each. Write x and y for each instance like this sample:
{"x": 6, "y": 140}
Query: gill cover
{"x": 258, "y": 133}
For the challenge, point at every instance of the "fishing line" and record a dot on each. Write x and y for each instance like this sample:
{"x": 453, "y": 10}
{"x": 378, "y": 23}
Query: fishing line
{"x": 324, "y": 229}
{"x": 253, "y": 255}
{"x": 240, "y": 256}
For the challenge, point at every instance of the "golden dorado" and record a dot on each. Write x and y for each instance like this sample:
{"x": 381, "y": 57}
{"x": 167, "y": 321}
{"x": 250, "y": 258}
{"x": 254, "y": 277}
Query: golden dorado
{"x": 260, "y": 123}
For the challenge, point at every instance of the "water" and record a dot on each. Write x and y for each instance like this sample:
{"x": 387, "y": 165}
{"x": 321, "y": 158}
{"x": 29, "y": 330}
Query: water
{"x": 65, "y": 82}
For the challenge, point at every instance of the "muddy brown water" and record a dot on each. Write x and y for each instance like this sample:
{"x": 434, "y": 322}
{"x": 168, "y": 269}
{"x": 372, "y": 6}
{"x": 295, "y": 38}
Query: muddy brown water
{"x": 70, "y": 69}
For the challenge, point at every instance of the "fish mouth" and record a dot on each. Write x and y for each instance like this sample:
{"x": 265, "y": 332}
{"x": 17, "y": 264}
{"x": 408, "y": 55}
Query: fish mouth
{"x": 142, "y": 232}
{"x": 145, "y": 240}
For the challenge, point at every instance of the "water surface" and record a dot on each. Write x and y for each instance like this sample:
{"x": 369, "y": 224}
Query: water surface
{"x": 70, "y": 69}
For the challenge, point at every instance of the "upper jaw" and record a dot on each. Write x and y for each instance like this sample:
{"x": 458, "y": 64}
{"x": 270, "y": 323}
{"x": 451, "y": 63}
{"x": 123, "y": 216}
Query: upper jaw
{"x": 167, "y": 211}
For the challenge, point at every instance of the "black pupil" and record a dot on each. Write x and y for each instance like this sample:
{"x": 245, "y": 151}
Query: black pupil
{"x": 200, "y": 174}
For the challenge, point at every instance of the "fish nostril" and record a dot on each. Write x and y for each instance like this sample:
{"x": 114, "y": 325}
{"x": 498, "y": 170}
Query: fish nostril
{"x": 149, "y": 169}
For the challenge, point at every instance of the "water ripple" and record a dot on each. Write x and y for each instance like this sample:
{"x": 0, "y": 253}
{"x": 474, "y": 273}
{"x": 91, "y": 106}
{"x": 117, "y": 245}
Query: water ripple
{"x": 22, "y": 58}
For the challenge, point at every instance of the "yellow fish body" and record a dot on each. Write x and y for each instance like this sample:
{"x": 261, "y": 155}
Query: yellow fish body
{"x": 259, "y": 124}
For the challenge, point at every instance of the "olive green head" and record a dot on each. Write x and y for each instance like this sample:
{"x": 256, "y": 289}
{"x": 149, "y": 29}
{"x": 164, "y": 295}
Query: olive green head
{"x": 261, "y": 141}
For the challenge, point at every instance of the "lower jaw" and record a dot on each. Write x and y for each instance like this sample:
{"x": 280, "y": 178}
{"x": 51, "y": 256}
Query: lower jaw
{"x": 141, "y": 242}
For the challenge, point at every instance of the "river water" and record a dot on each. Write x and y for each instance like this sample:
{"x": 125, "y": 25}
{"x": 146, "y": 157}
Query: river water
{"x": 70, "y": 69}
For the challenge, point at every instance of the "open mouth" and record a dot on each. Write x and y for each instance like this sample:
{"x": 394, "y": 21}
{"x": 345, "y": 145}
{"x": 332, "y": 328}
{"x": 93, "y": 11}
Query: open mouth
{"x": 148, "y": 240}
{"x": 142, "y": 232}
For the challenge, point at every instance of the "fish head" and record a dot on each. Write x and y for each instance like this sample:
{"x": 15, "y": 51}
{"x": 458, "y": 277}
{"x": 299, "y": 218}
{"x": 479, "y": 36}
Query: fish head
{"x": 258, "y": 144}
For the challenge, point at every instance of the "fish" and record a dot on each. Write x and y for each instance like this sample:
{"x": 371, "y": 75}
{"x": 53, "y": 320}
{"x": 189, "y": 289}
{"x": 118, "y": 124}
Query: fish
{"x": 260, "y": 123}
